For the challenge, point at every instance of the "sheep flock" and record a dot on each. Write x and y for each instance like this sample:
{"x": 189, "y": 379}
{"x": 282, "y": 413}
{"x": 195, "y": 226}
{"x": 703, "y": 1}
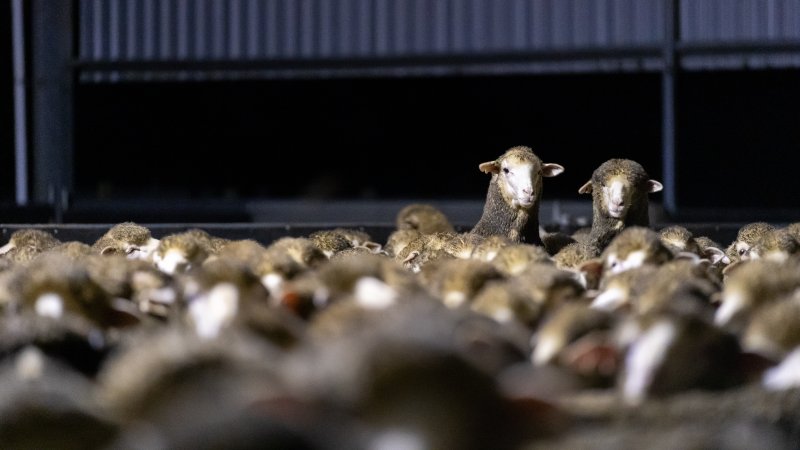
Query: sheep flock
{"x": 619, "y": 335}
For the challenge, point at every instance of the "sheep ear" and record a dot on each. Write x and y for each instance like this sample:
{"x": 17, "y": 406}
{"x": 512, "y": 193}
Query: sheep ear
{"x": 586, "y": 188}
{"x": 411, "y": 256}
{"x": 489, "y": 167}
{"x": 108, "y": 251}
{"x": 551, "y": 169}
{"x": 654, "y": 186}
{"x": 373, "y": 247}
{"x": 688, "y": 256}
{"x": 716, "y": 255}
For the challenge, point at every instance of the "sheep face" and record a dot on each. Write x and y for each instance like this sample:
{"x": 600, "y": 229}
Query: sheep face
{"x": 617, "y": 184}
{"x": 519, "y": 175}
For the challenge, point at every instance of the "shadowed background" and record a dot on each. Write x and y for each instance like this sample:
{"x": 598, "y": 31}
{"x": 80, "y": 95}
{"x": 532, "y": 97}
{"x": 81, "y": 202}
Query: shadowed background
{"x": 248, "y": 110}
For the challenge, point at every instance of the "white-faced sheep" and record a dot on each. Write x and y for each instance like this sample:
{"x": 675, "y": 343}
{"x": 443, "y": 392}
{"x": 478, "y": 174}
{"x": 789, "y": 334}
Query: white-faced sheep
{"x": 746, "y": 237}
{"x": 512, "y": 200}
{"x": 619, "y": 189}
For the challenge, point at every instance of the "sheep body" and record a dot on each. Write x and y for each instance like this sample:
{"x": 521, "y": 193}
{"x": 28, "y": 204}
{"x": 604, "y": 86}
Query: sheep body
{"x": 512, "y": 200}
{"x": 619, "y": 189}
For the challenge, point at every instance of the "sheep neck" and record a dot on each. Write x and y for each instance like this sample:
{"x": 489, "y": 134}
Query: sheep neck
{"x": 605, "y": 228}
{"x": 500, "y": 218}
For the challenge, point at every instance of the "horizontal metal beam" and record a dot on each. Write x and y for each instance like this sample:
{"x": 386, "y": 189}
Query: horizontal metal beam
{"x": 448, "y": 60}
{"x": 736, "y": 48}
{"x": 451, "y": 61}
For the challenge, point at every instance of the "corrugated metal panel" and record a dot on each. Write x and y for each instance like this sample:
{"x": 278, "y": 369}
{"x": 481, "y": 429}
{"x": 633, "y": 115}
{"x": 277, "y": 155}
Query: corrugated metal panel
{"x": 268, "y": 30}
{"x": 740, "y": 21}
{"x": 236, "y": 30}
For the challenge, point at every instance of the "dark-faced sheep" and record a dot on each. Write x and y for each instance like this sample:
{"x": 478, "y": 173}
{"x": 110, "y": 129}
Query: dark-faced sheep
{"x": 619, "y": 189}
{"x": 512, "y": 201}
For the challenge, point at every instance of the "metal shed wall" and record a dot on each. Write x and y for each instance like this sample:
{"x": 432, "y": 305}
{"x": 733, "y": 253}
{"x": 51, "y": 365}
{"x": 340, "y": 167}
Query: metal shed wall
{"x": 252, "y": 30}
{"x": 290, "y": 30}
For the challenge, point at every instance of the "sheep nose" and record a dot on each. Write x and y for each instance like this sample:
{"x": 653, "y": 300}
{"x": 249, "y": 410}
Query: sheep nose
{"x": 527, "y": 191}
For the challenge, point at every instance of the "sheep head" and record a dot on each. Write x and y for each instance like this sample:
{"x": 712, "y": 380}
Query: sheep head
{"x": 618, "y": 184}
{"x": 518, "y": 173}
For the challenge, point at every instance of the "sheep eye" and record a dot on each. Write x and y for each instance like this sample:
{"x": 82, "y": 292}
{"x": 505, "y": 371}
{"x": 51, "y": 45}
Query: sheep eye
{"x": 130, "y": 250}
{"x": 742, "y": 251}
{"x": 505, "y": 170}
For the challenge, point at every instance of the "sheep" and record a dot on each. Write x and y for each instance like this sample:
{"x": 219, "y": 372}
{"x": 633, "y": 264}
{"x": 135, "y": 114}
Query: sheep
{"x": 746, "y": 237}
{"x": 127, "y": 238}
{"x": 424, "y": 375}
{"x": 427, "y": 248}
{"x": 619, "y": 189}
{"x": 180, "y": 252}
{"x": 73, "y": 249}
{"x": 773, "y": 332}
{"x": 339, "y": 239}
{"x": 225, "y": 296}
{"x": 284, "y": 259}
{"x": 398, "y": 240}
{"x": 679, "y": 239}
{"x": 24, "y": 244}
{"x": 509, "y": 300}
{"x": 681, "y": 286}
{"x": 549, "y": 286}
{"x": 330, "y": 242}
{"x": 372, "y": 280}
{"x": 169, "y": 377}
{"x": 776, "y": 245}
{"x": 512, "y": 200}
{"x": 487, "y": 249}
{"x": 565, "y": 325}
{"x": 633, "y": 247}
{"x": 579, "y": 259}
{"x": 54, "y": 286}
{"x": 244, "y": 251}
{"x": 456, "y": 281}
{"x": 623, "y": 289}
{"x": 674, "y": 352}
{"x": 515, "y": 258}
{"x": 684, "y": 244}
{"x": 753, "y": 284}
{"x": 423, "y": 217}
{"x": 678, "y": 285}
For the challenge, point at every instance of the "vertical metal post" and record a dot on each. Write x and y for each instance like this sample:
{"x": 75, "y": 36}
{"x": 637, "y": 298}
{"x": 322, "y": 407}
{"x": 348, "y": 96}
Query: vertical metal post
{"x": 668, "y": 125}
{"x": 20, "y": 104}
{"x": 52, "y": 137}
